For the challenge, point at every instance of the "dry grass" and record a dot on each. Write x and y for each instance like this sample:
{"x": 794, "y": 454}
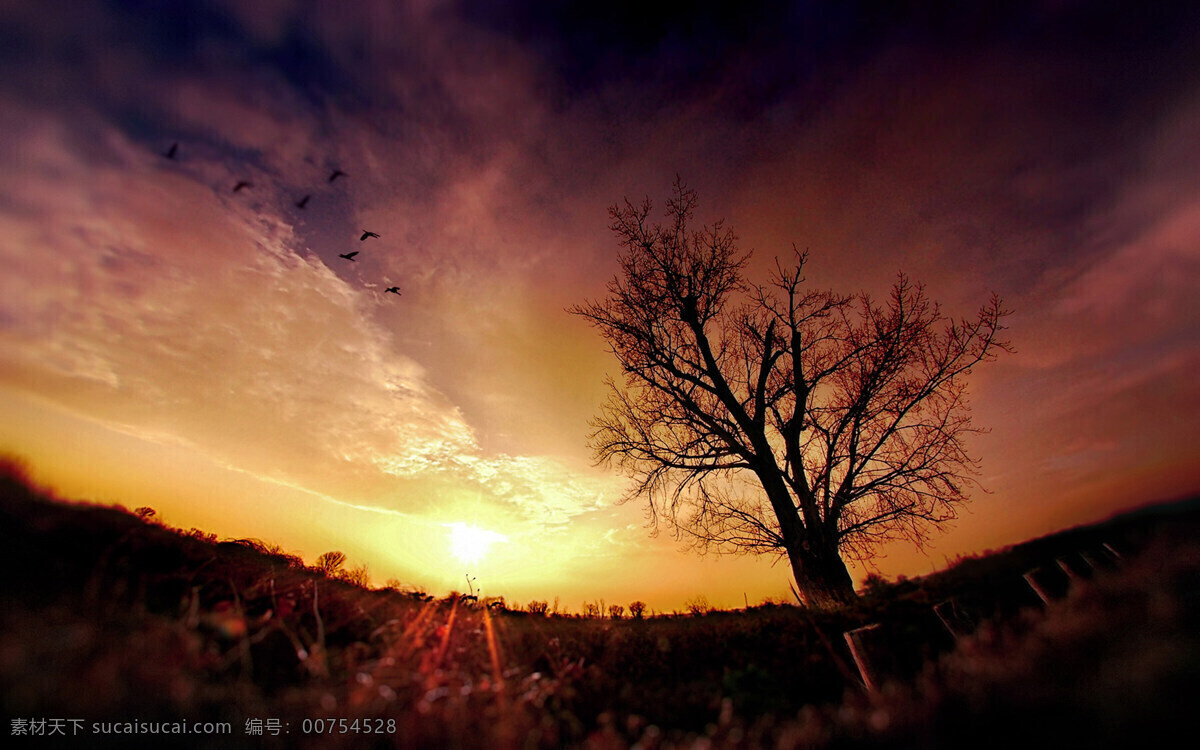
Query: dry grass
{"x": 108, "y": 617}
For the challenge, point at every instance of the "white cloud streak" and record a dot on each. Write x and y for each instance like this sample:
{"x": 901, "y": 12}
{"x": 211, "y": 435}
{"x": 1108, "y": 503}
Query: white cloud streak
{"x": 167, "y": 307}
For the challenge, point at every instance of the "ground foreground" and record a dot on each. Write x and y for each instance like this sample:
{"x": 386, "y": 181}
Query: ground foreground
{"x": 112, "y": 626}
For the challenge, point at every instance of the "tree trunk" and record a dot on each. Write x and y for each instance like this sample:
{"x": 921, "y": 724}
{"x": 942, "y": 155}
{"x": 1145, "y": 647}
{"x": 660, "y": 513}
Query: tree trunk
{"x": 822, "y": 579}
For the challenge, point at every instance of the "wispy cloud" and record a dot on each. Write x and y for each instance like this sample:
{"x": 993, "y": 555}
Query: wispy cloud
{"x": 1041, "y": 150}
{"x": 167, "y": 307}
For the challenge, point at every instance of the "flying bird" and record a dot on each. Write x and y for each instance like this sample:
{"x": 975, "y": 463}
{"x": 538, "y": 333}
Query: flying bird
{"x": 241, "y": 184}
{"x": 336, "y": 174}
{"x": 348, "y": 256}
{"x": 303, "y": 201}
{"x": 393, "y": 289}
{"x": 174, "y": 149}
{"x": 367, "y": 234}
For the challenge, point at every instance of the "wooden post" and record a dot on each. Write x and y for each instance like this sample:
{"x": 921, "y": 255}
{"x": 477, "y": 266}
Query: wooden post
{"x": 1037, "y": 589}
{"x": 948, "y": 613}
{"x": 859, "y": 652}
{"x": 1066, "y": 568}
{"x": 1089, "y": 560}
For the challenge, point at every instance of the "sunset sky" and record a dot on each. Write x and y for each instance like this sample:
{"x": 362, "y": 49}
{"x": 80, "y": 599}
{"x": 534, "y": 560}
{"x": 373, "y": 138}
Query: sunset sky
{"x": 169, "y": 342}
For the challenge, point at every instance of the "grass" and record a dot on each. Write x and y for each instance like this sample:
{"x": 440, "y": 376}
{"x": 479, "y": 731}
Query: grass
{"x": 109, "y": 617}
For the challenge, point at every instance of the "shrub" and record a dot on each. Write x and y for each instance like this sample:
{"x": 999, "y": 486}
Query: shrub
{"x": 357, "y": 575}
{"x": 874, "y": 584}
{"x": 495, "y": 603}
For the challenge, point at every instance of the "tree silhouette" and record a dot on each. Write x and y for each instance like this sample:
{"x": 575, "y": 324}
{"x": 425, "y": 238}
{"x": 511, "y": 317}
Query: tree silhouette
{"x": 331, "y": 562}
{"x": 776, "y": 419}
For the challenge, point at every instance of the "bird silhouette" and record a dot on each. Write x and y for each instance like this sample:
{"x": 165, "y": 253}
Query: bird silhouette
{"x": 336, "y": 174}
{"x": 348, "y": 256}
{"x": 174, "y": 149}
{"x": 393, "y": 289}
{"x": 367, "y": 234}
{"x": 303, "y": 201}
{"x": 241, "y": 184}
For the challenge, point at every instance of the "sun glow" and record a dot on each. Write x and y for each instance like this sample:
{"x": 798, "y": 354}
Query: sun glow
{"x": 469, "y": 544}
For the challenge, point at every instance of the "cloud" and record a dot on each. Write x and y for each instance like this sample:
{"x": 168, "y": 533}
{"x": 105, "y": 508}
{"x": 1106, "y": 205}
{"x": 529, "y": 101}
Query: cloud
{"x": 1132, "y": 299}
{"x": 174, "y": 310}
{"x": 1038, "y": 150}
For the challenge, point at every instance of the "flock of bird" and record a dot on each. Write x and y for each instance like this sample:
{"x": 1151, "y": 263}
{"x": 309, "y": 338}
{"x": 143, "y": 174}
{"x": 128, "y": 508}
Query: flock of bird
{"x": 241, "y": 185}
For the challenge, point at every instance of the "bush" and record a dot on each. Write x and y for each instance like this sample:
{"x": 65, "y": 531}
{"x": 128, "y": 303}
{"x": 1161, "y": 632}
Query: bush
{"x": 875, "y": 584}
{"x": 357, "y": 576}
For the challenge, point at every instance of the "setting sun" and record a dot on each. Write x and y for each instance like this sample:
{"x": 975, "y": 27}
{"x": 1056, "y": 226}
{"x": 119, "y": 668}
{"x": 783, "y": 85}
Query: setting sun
{"x": 471, "y": 375}
{"x": 469, "y": 544}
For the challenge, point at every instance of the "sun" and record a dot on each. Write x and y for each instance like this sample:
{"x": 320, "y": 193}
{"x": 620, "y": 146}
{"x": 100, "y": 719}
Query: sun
{"x": 470, "y": 543}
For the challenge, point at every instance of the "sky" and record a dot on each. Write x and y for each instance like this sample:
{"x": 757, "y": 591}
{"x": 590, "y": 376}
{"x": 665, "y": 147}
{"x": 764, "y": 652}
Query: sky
{"x": 167, "y": 341}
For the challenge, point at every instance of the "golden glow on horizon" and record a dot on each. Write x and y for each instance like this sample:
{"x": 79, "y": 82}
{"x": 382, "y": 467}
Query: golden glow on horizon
{"x": 167, "y": 343}
{"x": 469, "y": 544}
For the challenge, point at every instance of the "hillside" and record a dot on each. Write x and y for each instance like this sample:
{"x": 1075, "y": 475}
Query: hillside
{"x": 108, "y": 619}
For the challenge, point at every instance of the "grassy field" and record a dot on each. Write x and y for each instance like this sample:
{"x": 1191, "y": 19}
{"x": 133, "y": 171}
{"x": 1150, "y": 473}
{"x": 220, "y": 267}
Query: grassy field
{"x": 108, "y": 618}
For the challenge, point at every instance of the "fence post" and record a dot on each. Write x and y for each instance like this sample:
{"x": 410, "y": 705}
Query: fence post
{"x": 859, "y": 653}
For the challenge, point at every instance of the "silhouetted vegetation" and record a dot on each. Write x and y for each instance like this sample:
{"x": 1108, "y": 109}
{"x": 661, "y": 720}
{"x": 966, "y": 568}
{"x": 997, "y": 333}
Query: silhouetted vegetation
{"x": 847, "y": 415}
{"x": 330, "y": 563}
{"x": 107, "y": 614}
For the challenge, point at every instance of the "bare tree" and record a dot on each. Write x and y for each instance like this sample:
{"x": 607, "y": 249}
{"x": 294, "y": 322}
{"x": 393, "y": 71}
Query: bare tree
{"x": 331, "y": 562}
{"x": 778, "y": 419}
